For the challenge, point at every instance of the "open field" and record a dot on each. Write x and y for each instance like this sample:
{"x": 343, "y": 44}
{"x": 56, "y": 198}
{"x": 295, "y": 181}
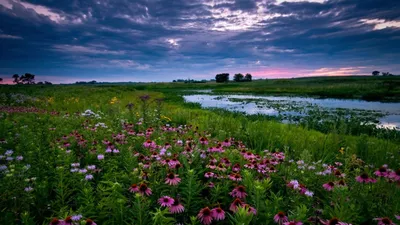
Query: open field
{"x": 115, "y": 162}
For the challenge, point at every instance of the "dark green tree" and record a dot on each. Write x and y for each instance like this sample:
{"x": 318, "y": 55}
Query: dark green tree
{"x": 238, "y": 77}
{"x": 16, "y": 79}
{"x": 248, "y": 77}
{"x": 375, "y": 73}
{"x": 222, "y": 77}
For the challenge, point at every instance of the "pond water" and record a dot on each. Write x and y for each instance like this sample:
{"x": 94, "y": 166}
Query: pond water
{"x": 385, "y": 115}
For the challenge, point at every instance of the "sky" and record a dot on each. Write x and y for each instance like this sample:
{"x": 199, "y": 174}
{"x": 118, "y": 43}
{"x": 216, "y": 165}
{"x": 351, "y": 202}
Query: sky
{"x": 161, "y": 40}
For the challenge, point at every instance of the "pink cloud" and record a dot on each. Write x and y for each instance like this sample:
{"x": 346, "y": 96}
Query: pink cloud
{"x": 325, "y": 71}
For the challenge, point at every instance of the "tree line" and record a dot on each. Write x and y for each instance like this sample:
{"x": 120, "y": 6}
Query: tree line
{"x": 377, "y": 73}
{"x": 224, "y": 77}
{"x": 26, "y": 78}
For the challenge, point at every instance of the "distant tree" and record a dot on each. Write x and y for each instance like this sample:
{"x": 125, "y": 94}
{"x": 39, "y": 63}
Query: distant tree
{"x": 222, "y": 77}
{"x": 48, "y": 83}
{"x": 386, "y": 74}
{"x": 16, "y": 79}
{"x": 1, "y": 79}
{"x": 40, "y": 83}
{"x": 248, "y": 77}
{"x": 238, "y": 77}
{"x": 174, "y": 81}
{"x": 375, "y": 73}
{"x": 27, "y": 78}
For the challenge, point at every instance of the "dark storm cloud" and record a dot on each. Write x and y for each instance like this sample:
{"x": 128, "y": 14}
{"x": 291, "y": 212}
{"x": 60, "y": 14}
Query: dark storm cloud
{"x": 163, "y": 40}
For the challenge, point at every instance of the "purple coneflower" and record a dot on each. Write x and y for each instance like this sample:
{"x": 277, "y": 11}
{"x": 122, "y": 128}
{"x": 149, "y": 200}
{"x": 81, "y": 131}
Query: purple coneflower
{"x": 144, "y": 190}
{"x": 397, "y": 217}
{"x": 293, "y": 223}
{"x": 100, "y": 157}
{"x": 328, "y": 186}
{"x": 235, "y": 177}
{"x": 172, "y": 179}
{"x": 205, "y": 216}
{"x": 235, "y": 204}
{"x": 395, "y": 175}
{"x": 149, "y": 144}
{"x": 226, "y": 143}
{"x": 382, "y": 172}
{"x": 236, "y": 167}
{"x": 280, "y": 218}
{"x": 384, "y": 221}
{"x": 166, "y": 201}
{"x": 134, "y": 188}
{"x": 176, "y": 207}
{"x": 89, "y": 177}
{"x": 250, "y": 209}
{"x": 218, "y": 213}
{"x": 19, "y": 158}
{"x": 209, "y": 175}
{"x": 333, "y": 221}
{"x": 203, "y": 141}
{"x": 56, "y": 221}
{"x": 90, "y": 222}
{"x": 239, "y": 192}
{"x": 364, "y": 178}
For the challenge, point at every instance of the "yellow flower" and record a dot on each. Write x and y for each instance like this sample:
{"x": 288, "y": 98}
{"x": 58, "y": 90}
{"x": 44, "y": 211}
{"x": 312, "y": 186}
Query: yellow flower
{"x": 341, "y": 150}
{"x": 114, "y": 100}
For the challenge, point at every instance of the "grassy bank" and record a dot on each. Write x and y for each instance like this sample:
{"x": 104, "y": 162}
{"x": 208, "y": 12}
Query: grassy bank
{"x": 355, "y": 87}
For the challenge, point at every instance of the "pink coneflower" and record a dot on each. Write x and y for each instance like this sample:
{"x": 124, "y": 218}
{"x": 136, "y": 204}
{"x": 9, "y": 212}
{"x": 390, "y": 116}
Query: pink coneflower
{"x": 218, "y": 213}
{"x": 205, "y": 216}
{"x": 384, "y": 221}
{"x": 235, "y": 204}
{"x": 149, "y": 144}
{"x": 339, "y": 174}
{"x": 90, "y": 222}
{"x": 293, "y": 223}
{"x": 235, "y": 177}
{"x": 236, "y": 167}
{"x": 382, "y": 172}
{"x": 280, "y": 218}
{"x": 209, "y": 175}
{"x": 395, "y": 175}
{"x": 211, "y": 165}
{"x": 364, "y": 178}
{"x": 341, "y": 183}
{"x": 333, "y": 221}
{"x": 250, "y": 209}
{"x": 68, "y": 220}
{"x": 172, "y": 179}
{"x": 144, "y": 190}
{"x": 166, "y": 201}
{"x": 239, "y": 192}
{"x": 134, "y": 188}
{"x": 203, "y": 141}
{"x": 248, "y": 155}
{"x": 328, "y": 186}
{"x": 176, "y": 207}
{"x": 211, "y": 184}
{"x": 226, "y": 143}
{"x": 56, "y": 221}
{"x": 221, "y": 167}
{"x": 397, "y": 217}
